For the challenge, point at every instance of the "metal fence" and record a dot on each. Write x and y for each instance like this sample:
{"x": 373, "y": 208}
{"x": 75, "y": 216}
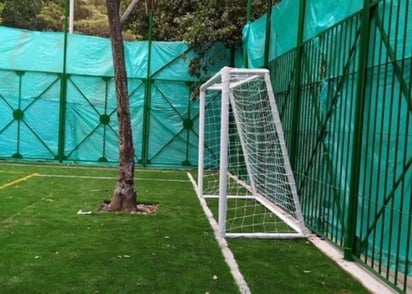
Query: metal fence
{"x": 345, "y": 101}
{"x": 78, "y": 122}
{"x": 58, "y": 99}
{"x": 346, "y": 106}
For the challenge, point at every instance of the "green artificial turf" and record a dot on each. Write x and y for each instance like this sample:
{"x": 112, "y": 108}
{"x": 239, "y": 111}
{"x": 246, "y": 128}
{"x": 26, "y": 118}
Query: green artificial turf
{"x": 46, "y": 247}
{"x": 290, "y": 266}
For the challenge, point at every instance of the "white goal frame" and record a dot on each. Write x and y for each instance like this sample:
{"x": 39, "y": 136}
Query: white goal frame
{"x": 221, "y": 82}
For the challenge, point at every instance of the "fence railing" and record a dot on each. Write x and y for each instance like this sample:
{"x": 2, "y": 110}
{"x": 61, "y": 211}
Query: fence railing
{"x": 58, "y": 103}
{"x": 344, "y": 96}
{"x": 348, "y": 125}
{"x": 37, "y": 124}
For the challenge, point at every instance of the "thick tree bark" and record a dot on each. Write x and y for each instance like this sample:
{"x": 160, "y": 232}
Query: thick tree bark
{"x": 124, "y": 195}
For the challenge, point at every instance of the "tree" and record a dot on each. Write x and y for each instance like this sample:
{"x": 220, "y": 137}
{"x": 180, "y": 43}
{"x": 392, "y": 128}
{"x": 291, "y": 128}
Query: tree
{"x": 90, "y": 16}
{"x": 216, "y": 21}
{"x": 192, "y": 21}
{"x": 52, "y": 15}
{"x": 124, "y": 196}
{"x": 1, "y": 11}
{"x": 201, "y": 24}
{"x": 22, "y": 14}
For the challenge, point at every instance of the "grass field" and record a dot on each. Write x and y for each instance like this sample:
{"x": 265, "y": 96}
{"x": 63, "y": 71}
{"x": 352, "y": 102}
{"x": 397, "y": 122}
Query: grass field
{"x": 46, "y": 247}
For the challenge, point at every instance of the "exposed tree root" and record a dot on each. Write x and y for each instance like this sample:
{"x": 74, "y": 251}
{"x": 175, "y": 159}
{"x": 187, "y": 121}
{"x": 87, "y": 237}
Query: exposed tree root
{"x": 141, "y": 208}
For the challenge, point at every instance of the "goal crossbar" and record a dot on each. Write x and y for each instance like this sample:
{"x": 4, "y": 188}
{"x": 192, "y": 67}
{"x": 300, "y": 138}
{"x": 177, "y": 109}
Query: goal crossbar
{"x": 218, "y": 86}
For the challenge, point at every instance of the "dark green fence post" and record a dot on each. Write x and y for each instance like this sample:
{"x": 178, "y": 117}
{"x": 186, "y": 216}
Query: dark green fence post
{"x": 147, "y": 97}
{"x": 63, "y": 90}
{"x": 248, "y": 19}
{"x": 350, "y": 232}
{"x": 267, "y": 35}
{"x": 297, "y": 81}
{"x": 249, "y": 11}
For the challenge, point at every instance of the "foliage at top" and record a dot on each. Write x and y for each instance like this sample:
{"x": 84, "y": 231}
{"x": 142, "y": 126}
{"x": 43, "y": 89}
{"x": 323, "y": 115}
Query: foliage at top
{"x": 193, "y": 21}
{"x": 199, "y": 23}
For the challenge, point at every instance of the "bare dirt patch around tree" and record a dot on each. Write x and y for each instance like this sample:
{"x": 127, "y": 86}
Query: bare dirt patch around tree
{"x": 141, "y": 208}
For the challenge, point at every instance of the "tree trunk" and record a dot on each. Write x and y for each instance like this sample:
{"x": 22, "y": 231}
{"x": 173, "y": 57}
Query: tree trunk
{"x": 124, "y": 195}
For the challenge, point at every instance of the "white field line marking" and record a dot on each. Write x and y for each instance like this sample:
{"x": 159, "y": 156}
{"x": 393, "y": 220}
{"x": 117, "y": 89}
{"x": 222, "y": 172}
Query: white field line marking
{"x": 16, "y": 181}
{"x": 13, "y": 183}
{"x": 70, "y": 177}
{"x": 92, "y": 167}
{"x": 227, "y": 253}
{"x": 108, "y": 178}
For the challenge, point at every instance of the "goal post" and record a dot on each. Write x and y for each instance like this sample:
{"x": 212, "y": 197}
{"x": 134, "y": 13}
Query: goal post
{"x": 244, "y": 172}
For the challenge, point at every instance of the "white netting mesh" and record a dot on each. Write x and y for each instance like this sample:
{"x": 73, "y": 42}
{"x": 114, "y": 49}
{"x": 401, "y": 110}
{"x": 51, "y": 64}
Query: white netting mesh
{"x": 257, "y": 128}
{"x": 258, "y": 180}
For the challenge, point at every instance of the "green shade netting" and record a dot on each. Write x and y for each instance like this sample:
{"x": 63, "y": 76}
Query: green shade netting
{"x": 31, "y": 126}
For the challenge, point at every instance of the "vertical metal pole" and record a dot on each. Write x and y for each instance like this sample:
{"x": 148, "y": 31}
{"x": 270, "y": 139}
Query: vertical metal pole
{"x": 148, "y": 96}
{"x": 350, "y": 232}
{"x": 297, "y": 80}
{"x": 224, "y": 134}
{"x": 248, "y": 19}
{"x": 267, "y": 35}
{"x": 71, "y": 17}
{"x": 63, "y": 91}
{"x": 200, "y": 168}
{"x": 249, "y": 10}
{"x": 187, "y": 124}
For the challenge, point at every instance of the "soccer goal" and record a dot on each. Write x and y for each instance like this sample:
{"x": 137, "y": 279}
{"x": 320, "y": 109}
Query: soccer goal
{"x": 244, "y": 174}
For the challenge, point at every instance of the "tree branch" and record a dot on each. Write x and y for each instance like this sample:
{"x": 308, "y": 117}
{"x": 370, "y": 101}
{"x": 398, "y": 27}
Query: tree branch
{"x": 128, "y": 11}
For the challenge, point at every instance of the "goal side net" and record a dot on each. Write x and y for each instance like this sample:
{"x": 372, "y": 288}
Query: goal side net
{"x": 244, "y": 172}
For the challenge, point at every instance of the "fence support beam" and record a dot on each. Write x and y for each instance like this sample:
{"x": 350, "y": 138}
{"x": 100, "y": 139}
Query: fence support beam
{"x": 350, "y": 232}
{"x": 296, "y": 89}
{"x": 267, "y": 34}
{"x": 248, "y": 20}
{"x": 147, "y": 97}
{"x": 63, "y": 90}
{"x": 249, "y": 11}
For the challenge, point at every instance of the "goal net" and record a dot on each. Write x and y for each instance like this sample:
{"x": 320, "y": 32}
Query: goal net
{"x": 244, "y": 173}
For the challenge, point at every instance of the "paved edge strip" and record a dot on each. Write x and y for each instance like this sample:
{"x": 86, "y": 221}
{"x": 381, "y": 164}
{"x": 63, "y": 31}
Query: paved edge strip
{"x": 368, "y": 280}
{"x": 227, "y": 253}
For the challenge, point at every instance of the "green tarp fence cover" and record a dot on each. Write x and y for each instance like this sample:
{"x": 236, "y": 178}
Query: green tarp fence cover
{"x": 40, "y": 122}
{"x": 86, "y": 55}
{"x": 319, "y": 16}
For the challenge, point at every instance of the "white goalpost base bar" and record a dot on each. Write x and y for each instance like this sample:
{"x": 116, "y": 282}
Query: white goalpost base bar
{"x": 243, "y": 156}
